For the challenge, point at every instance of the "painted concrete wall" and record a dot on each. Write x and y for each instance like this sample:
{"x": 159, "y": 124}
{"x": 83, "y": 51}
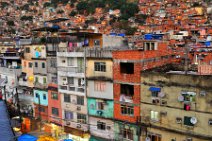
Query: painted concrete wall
{"x": 121, "y": 125}
{"x": 39, "y": 51}
{"x": 39, "y": 69}
{"x": 41, "y": 93}
{"x": 55, "y": 103}
{"x": 90, "y": 72}
{"x": 172, "y": 85}
{"x": 107, "y": 112}
{"x": 107, "y": 94}
{"x": 108, "y": 133}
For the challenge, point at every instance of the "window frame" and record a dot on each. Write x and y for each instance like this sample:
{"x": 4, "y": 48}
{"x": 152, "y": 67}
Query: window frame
{"x": 67, "y": 100}
{"x": 54, "y": 95}
{"x": 57, "y": 111}
{"x": 100, "y": 66}
{"x": 81, "y": 118}
{"x": 80, "y": 100}
{"x": 127, "y": 110}
{"x": 101, "y": 125}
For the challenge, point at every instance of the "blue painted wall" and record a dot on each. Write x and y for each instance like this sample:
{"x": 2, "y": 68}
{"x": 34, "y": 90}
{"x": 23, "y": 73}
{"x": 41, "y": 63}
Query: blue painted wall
{"x": 43, "y": 97}
{"x": 107, "y": 112}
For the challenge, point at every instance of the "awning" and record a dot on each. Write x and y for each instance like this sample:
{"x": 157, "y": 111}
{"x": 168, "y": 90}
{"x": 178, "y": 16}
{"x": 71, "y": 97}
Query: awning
{"x": 154, "y": 89}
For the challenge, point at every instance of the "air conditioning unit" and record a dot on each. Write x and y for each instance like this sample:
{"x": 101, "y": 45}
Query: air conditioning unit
{"x": 163, "y": 113}
{"x": 108, "y": 127}
{"x": 78, "y": 126}
{"x": 68, "y": 123}
{"x": 178, "y": 120}
{"x": 189, "y": 139}
{"x": 155, "y": 101}
{"x": 202, "y": 93}
{"x": 78, "y": 108}
{"x": 163, "y": 102}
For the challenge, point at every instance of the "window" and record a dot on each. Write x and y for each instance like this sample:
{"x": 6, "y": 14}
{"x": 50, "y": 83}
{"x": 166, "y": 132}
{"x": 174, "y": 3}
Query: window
{"x": 53, "y": 63}
{"x": 155, "y": 94}
{"x": 80, "y": 100}
{"x": 36, "y": 95}
{"x": 127, "y": 89}
{"x": 71, "y": 80}
{"x": 27, "y": 50}
{"x": 187, "y": 121}
{"x": 43, "y": 65}
{"x": 154, "y": 137}
{"x": 127, "y": 68}
{"x": 44, "y": 80}
{"x": 81, "y": 118}
{"x": 54, "y": 95}
{"x": 100, "y": 66}
{"x": 99, "y": 105}
{"x": 41, "y": 109}
{"x": 99, "y": 86}
{"x": 127, "y": 133}
{"x": 67, "y": 98}
{"x": 101, "y": 125}
{"x": 154, "y": 116}
{"x": 188, "y": 96}
{"x": 96, "y": 42}
{"x": 127, "y": 110}
{"x": 24, "y": 63}
{"x": 30, "y": 65}
{"x": 36, "y": 64}
{"x": 44, "y": 96}
{"x": 54, "y": 79}
{"x": 70, "y": 61}
{"x": 63, "y": 61}
{"x": 69, "y": 115}
{"x": 36, "y": 79}
{"x": 55, "y": 111}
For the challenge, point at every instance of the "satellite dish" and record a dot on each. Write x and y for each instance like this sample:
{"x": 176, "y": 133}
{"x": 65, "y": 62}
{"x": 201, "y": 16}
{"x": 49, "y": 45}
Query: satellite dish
{"x": 193, "y": 120}
{"x": 180, "y": 98}
{"x": 147, "y": 139}
{"x": 161, "y": 94}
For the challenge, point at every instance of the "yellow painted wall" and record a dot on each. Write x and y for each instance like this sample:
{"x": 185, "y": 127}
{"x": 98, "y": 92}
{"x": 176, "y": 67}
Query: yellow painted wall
{"x": 90, "y": 68}
{"x": 172, "y": 85}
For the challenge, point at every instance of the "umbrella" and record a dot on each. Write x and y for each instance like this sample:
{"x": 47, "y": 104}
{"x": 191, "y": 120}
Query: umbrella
{"x": 27, "y": 137}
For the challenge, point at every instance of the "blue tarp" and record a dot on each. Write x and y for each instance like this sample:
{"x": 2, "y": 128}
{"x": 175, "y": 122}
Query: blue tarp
{"x": 68, "y": 140}
{"x": 6, "y": 133}
{"x": 27, "y": 137}
{"x": 154, "y": 89}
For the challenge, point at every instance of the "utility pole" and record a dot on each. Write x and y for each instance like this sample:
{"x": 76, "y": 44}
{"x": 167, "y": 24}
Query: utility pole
{"x": 5, "y": 96}
{"x": 18, "y": 105}
{"x": 39, "y": 109}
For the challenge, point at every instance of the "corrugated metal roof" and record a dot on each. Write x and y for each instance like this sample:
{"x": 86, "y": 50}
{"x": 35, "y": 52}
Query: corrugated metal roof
{"x": 6, "y": 133}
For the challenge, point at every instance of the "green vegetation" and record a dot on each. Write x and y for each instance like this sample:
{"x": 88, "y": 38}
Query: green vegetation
{"x": 11, "y": 23}
{"x": 4, "y": 4}
{"x": 26, "y": 18}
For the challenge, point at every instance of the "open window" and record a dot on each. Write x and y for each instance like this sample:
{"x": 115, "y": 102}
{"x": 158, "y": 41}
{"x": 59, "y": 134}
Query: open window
{"x": 127, "y": 68}
{"x": 127, "y": 93}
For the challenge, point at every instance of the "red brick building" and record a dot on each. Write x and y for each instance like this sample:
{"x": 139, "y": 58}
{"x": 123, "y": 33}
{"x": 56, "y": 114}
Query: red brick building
{"x": 127, "y": 66}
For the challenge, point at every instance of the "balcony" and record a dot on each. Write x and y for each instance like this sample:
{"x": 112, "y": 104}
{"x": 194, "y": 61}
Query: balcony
{"x": 76, "y": 124}
{"x": 70, "y": 54}
{"x": 71, "y": 89}
{"x": 71, "y": 69}
{"x": 10, "y": 70}
{"x": 40, "y": 85}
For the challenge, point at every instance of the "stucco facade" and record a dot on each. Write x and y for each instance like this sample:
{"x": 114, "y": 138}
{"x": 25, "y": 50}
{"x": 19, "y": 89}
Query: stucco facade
{"x": 181, "y": 108}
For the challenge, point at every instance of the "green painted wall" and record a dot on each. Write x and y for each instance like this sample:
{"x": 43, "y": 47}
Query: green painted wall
{"x": 107, "y": 112}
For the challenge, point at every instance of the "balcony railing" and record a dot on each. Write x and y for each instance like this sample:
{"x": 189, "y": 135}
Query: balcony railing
{"x": 10, "y": 70}
{"x": 40, "y": 85}
{"x": 71, "y": 69}
{"x": 70, "y": 54}
{"x": 72, "y": 88}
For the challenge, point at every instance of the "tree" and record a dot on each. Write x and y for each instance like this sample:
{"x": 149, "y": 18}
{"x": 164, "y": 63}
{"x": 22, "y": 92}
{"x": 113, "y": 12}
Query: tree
{"x": 46, "y": 4}
{"x": 73, "y": 13}
{"x": 11, "y": 23}
{"x": 82, "y": 5}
